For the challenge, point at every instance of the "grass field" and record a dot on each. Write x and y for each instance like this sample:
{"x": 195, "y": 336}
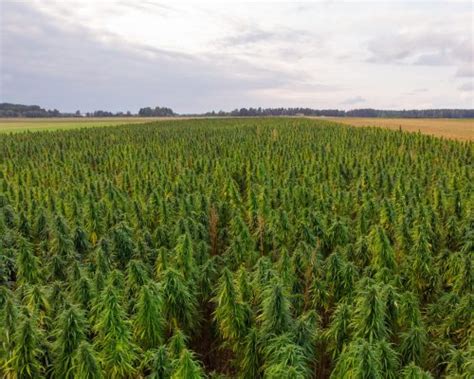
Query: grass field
{"x": 460, "y": 129}
{"x": 15, "y": 125}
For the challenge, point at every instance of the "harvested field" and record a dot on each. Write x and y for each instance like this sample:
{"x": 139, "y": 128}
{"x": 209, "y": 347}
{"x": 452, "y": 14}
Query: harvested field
{"x": 460, "y": 129}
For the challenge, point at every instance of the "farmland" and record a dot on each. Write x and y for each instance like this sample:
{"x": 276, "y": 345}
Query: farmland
{"x": 223, "y": 248}
{"x": 460, "y": 129}
{"x": 16, "y": 125}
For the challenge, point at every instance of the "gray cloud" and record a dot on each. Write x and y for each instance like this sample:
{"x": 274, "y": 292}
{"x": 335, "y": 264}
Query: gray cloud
{"x": 248, "y": 37}
{"x": 466, "y": 70}
{"x": 64, "y": 67}
{"x": 148, "y": 6}
{"x": 419, "y": 90}
{"x": 416, "y": 92}
{"x": 354, "y": 100}
{"x": 424, "y": 47}
{"x": 432, "y": 59}
{"x": 253, "y": 35}
{"x": 467, "y": 87}
{"x": 63, "y": 55}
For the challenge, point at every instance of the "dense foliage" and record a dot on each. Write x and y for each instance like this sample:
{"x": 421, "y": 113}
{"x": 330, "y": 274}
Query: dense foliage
{"x": 250, "y": 248}
{"x": 35, "y": 111}
{"x": 20, "y": 110}
{"x": 156, "y": 112}
{"x": 366, "y": 112}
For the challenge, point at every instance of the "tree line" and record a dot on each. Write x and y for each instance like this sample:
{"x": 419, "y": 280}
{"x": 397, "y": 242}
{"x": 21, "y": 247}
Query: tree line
{"x": 35, "y": 111}
{"x": 368, "y": 112}
{"x": 8, "y": 110}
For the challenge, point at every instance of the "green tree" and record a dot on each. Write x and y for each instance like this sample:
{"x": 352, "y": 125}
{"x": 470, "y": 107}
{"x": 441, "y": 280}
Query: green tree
{"x": 70, "y": 333}
{"x": 160, "y": 365}
{"x": 359, "y": 359}
{"x": 370, "y": 314}
{"x": 27, "y": 264}
{"x": 180, "y": 302}
{"x": 414, "y": 372}
{"x": 149, "y": 322}
{"x": 276, "y": 317}
{"x": 187, "y": 367}
{"x": 26, "y": 357}
{"x": 230, "y": 314}
{"x": 113, "y": 341}
{"x": 86, "y": 364}
{"x": 412, "y": 346}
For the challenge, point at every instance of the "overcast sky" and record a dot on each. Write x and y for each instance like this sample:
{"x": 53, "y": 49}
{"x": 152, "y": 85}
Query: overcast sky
{"x": 195, "y": 57}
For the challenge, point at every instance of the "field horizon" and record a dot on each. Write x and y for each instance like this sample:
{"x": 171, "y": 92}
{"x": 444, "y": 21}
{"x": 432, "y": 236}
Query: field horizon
{"x": 457, "y": 129}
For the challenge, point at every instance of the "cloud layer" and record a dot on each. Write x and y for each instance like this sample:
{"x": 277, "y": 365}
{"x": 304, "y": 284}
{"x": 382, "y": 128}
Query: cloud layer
{"x": 121, "y": 55}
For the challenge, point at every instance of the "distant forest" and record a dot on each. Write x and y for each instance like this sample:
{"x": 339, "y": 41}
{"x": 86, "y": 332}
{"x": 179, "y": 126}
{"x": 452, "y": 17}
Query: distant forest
{"x": 35, "y": 111}
{"x": 413, "y": 113}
